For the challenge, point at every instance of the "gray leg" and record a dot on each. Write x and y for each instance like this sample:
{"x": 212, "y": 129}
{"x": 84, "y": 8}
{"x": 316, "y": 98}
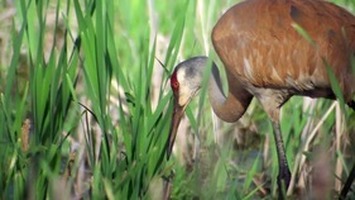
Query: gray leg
{"x": 272, "y": 101}
{"x": 284, "y": 177}
{"x": 351, "y": 178}
{"x": 351, "y": 104}
{"x": 348, "y": 183}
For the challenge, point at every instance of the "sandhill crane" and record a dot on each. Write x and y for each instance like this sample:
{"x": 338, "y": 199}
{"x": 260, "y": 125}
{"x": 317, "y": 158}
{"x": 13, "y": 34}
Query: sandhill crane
{"x": 267, "y": 58}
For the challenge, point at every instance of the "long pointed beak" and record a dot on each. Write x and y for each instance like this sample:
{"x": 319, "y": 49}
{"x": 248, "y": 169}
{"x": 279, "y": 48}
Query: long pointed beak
{"x": 177, "y": 115}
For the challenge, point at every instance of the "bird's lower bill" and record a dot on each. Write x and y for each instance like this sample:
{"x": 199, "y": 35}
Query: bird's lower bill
{"x": 177, "y": 115}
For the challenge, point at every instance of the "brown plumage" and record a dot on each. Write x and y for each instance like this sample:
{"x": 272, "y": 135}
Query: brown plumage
{"x": 260, "y": 34}
{"x": 267, "y": 58}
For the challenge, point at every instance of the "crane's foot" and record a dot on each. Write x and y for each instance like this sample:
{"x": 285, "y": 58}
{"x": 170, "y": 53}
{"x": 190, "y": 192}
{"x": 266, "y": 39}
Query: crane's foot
{"x": 348, "y": 183}
{"x": 351, "y": 104}
{"x": 283, "y": 181}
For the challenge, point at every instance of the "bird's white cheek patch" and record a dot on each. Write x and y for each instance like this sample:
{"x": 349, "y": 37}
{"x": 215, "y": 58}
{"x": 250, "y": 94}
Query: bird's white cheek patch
{"x": 184, "y": 96}
{"x": 183, "y": 90}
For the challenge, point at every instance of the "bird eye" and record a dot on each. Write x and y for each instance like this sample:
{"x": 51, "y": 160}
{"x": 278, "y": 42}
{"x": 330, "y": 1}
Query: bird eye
{"x": 174, "y": 82}
{"x": 175, "y": 85}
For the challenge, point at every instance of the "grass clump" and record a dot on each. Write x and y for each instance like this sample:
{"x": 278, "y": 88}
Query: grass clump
{"x": 85, "y": 108}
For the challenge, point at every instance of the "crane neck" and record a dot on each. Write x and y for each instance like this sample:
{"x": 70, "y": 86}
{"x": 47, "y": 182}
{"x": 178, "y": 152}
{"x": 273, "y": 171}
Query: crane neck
{"x": 229, "y": 108}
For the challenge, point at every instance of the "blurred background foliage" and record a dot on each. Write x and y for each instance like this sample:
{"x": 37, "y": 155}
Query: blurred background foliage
{"x": 85, "y": 110}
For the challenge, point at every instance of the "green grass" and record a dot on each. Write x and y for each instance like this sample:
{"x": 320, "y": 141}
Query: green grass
{"x": 85, "y": 108}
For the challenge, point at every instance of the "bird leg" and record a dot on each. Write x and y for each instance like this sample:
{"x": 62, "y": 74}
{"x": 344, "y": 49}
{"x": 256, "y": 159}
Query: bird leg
{"x": 351, "y": 104}
{"x": 348, "y": 183}
{"x": 351, "y": 178}
{"x": 272, "y": 107}
{"x": 284, "y": 177}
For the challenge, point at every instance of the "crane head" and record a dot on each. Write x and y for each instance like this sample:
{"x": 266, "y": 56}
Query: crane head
{"x": 185, "y": 83}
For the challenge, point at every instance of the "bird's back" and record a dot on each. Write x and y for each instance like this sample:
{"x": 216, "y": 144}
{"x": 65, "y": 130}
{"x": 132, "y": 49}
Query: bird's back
{"x": 259, "y": 45}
